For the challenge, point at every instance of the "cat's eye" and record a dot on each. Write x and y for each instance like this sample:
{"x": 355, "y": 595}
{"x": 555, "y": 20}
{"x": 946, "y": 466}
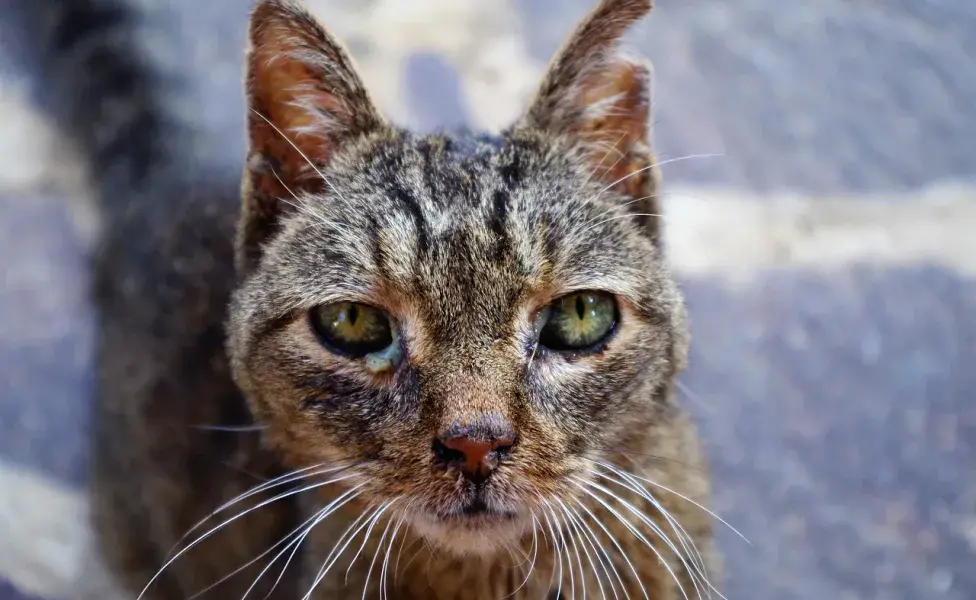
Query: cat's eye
{"x": 352, "y": 329}
{"x": 578, "y": 321}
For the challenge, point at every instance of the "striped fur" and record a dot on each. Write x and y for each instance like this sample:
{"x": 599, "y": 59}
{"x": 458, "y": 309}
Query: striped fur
{"x": 461, "y": 237}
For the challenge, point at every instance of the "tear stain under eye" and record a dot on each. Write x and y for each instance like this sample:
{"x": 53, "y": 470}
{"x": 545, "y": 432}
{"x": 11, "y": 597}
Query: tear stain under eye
{"x": 386, "y": 359}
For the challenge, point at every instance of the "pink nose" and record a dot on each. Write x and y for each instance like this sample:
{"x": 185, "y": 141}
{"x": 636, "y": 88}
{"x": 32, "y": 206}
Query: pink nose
{"x": 475, "y": 450}
{"x": 476, "y": 459}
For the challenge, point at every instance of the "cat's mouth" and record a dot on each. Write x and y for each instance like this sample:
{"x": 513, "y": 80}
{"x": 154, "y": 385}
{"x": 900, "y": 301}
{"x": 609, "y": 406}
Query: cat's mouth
{"x": 473, "y": 528}
{"x": 478, "y": 511}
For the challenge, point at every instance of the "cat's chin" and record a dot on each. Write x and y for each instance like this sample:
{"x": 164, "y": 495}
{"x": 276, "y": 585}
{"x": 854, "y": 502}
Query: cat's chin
{"x": 463, "y": 535}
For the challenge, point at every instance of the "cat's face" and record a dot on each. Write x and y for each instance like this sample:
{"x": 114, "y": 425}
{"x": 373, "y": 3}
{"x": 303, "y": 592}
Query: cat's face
{"x": 465, "y": 323}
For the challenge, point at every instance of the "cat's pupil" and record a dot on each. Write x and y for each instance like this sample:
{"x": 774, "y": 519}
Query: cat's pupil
{"x": 580, "y": 307}
{"x": 353, "y": 314}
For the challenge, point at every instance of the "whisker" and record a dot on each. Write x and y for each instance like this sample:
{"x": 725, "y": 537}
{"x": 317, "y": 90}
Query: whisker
{"x": 376, "y": 553}
{"x": 386, "y": 559}
{"x": 565, "y": 546}
{"x": 582, "y": 538}
{"x": 535, "y": 551}
{"x": 370, "y": 522}
{"x": 369, "y": 530}
{"x": 617, "y": 207}
{"x": 284, "y": 479}
{"x": 336, "y": 551}
{"x": 617, "y": 545}
{"x": 616, "y": 217}
{"x": 659, "y": 163}
{"x": 684, "y": 389}
{"x": 396, "y": 567}
{"x": 603, "y": 557}
{"x": 231, "y": 520}
{"x": 535, "y": 350}
{"x": 416, "y": 541}
{"x": 556, "y": 551}
{"x": 303, "y": 207}
{"x": 589, "y": 177}
{"x": 698, "y": 561}
{"x": 682, "y": 555}
{"x": 682, "y": 496}
{"x": 302, "y": 154}
{"x": 230, "y": 428}
{"x": 284, "y": 539}
{"x": 295, "y": 544}
{"x": 633, "y": 530}
{"x": 629, "y": 455}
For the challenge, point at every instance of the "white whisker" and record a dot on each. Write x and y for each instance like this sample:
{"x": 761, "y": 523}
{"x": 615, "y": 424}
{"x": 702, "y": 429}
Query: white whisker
{"x": 613, "y": 540}
{"x": 582, "y": 542}
{"x": 632, "y": 484}
{"x": 337, "y": 552}
{"x": 557, "y": 552}
{"x": 683, "y": 497}
{"x": 658, "y": 164}
{"x": 231, "y": 520}
{"x": 616, "y": 217}
{"x": 386, "y": 559}
{"x": 376, "y": 554}
{"x": 369, "y": 530}
{"x": 589, "y": 177}
{"x": 658, "y": 531}
{"x": 283, "y": 540}
{"x": 302, "y": 154}
{"x": 295, "y": 544}
{"x": 230, "y": 428}
{"x": 603, "y": 557}
{"x": 565, "y": 546}
{"x": 634, "y": 531}
{"x": 684, "y": 538}
{"x": 284, "y": 479}
{"x": 302, "y": 207}
{"x": 590, "y": 222}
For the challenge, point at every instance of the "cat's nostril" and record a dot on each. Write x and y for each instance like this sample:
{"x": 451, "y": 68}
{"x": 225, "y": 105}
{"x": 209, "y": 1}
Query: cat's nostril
{"x": 476, "y": 458}
{"x": 446, "y": 454}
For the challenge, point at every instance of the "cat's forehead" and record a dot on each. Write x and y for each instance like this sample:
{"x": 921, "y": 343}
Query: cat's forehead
{"x": 455, "y": 173}
{"x": 475, "y": 220}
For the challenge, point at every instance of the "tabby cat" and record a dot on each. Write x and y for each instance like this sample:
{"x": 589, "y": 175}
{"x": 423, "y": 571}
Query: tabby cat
{"x": 404, "y": 366}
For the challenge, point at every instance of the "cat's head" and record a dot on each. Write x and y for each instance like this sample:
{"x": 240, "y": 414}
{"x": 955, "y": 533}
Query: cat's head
{"x": 468, "y": 321}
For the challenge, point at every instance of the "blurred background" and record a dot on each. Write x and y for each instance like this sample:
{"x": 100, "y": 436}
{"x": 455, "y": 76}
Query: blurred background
{"x": 821, "y": 220}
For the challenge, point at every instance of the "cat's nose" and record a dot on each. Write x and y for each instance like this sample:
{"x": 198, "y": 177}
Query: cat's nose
{"x": 475, "y": 450}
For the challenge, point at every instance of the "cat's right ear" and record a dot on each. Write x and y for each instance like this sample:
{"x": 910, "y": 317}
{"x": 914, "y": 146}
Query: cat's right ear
{"x": 305, "y": 101}
{"x": 600, "y": 99}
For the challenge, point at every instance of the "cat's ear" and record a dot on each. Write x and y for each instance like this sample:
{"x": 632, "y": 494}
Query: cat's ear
{"x": 600, "y": 98}
{"x": 305, "y": 101}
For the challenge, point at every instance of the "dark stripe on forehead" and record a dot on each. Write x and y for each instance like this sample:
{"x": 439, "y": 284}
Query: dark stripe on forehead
{"x": 498, "y": 221}
{"x": 429, "y": 171}
{"x": 374, "y": 233}
{"x": 511, "y": 170}
{"x": 406, "y": 200}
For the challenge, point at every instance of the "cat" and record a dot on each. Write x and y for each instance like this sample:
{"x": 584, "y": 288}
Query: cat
{"x": 389, "y": 365}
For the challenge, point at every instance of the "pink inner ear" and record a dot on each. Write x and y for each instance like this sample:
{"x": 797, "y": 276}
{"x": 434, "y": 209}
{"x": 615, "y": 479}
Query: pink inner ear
{"x": 284, "y": 93}
{"x": 305, "y": 97}
{"x": 616, "y": 110}
{"x": 616, "y": 104}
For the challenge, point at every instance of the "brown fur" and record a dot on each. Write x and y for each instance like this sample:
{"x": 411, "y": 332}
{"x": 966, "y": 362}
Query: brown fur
{"x": 461, "y": 239}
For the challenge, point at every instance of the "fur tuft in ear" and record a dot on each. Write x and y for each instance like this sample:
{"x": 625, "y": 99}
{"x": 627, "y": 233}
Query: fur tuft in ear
{"x": 305, "y": 102}
{"x": 601, "y": 100}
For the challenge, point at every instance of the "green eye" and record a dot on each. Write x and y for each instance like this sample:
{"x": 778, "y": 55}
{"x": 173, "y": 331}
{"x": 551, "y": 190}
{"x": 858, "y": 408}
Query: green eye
{"x": 353, "y": 329}
{"x": 579, "y": 321}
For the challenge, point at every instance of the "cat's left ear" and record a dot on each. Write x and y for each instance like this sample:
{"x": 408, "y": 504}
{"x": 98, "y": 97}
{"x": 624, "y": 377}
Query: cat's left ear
{"x": 601, "y": 99}
{"x": 305, "y": 103}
